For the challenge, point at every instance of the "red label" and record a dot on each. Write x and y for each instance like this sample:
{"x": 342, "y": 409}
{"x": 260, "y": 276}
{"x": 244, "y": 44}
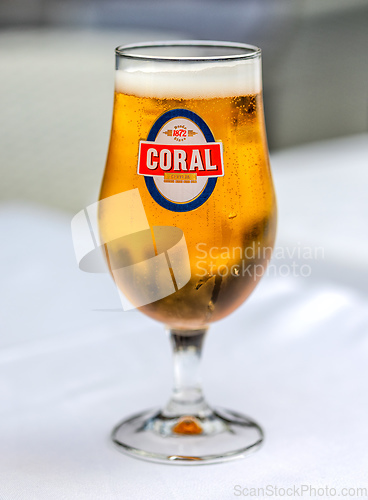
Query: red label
{"x": 200, "y": 159}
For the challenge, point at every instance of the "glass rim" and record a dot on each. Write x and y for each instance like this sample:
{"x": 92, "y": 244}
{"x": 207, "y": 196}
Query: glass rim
{"x": 250, "y": 51}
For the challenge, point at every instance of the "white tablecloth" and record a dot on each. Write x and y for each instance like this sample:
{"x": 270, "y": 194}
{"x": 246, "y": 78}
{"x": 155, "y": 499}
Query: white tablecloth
{"x": 293, "y": 357}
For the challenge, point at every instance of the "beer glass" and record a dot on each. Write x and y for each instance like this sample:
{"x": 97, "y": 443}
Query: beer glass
{"x": 187, "y": 216}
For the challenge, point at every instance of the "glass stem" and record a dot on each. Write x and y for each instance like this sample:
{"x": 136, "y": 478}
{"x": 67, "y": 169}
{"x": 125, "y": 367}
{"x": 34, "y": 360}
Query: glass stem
{"x": 187, "y": 397}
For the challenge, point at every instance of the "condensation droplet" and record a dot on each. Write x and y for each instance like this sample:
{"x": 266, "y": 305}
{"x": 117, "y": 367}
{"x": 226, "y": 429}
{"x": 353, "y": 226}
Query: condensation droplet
{"x": 202, "y": 281}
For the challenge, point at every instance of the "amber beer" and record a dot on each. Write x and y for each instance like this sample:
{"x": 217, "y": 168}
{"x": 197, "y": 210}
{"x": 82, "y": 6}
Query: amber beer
{"x": 230, "y": 235}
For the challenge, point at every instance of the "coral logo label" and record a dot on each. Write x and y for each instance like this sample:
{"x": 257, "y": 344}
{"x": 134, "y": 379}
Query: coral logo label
{"x": 157, "y": 159}
{"x": 180, "y": 161}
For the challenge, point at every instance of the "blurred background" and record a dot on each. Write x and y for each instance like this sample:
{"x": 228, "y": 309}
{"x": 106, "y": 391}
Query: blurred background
{"x": 57, "y": 63}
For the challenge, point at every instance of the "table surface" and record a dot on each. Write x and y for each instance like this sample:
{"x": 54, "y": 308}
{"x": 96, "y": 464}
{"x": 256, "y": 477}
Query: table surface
{"x": 293, "y": 357}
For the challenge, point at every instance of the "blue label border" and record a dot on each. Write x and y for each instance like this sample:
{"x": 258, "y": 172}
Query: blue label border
{"x": 150, "y": 183}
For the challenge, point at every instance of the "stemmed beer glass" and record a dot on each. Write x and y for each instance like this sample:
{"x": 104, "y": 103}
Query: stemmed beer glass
{"x": 187, "y": 216}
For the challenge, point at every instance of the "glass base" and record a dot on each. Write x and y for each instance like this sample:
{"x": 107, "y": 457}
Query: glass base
{"x": 213, "y": 436}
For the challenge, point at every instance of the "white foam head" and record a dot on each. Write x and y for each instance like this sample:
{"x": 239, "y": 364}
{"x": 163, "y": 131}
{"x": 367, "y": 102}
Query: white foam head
{"x": 188, "y": 81}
